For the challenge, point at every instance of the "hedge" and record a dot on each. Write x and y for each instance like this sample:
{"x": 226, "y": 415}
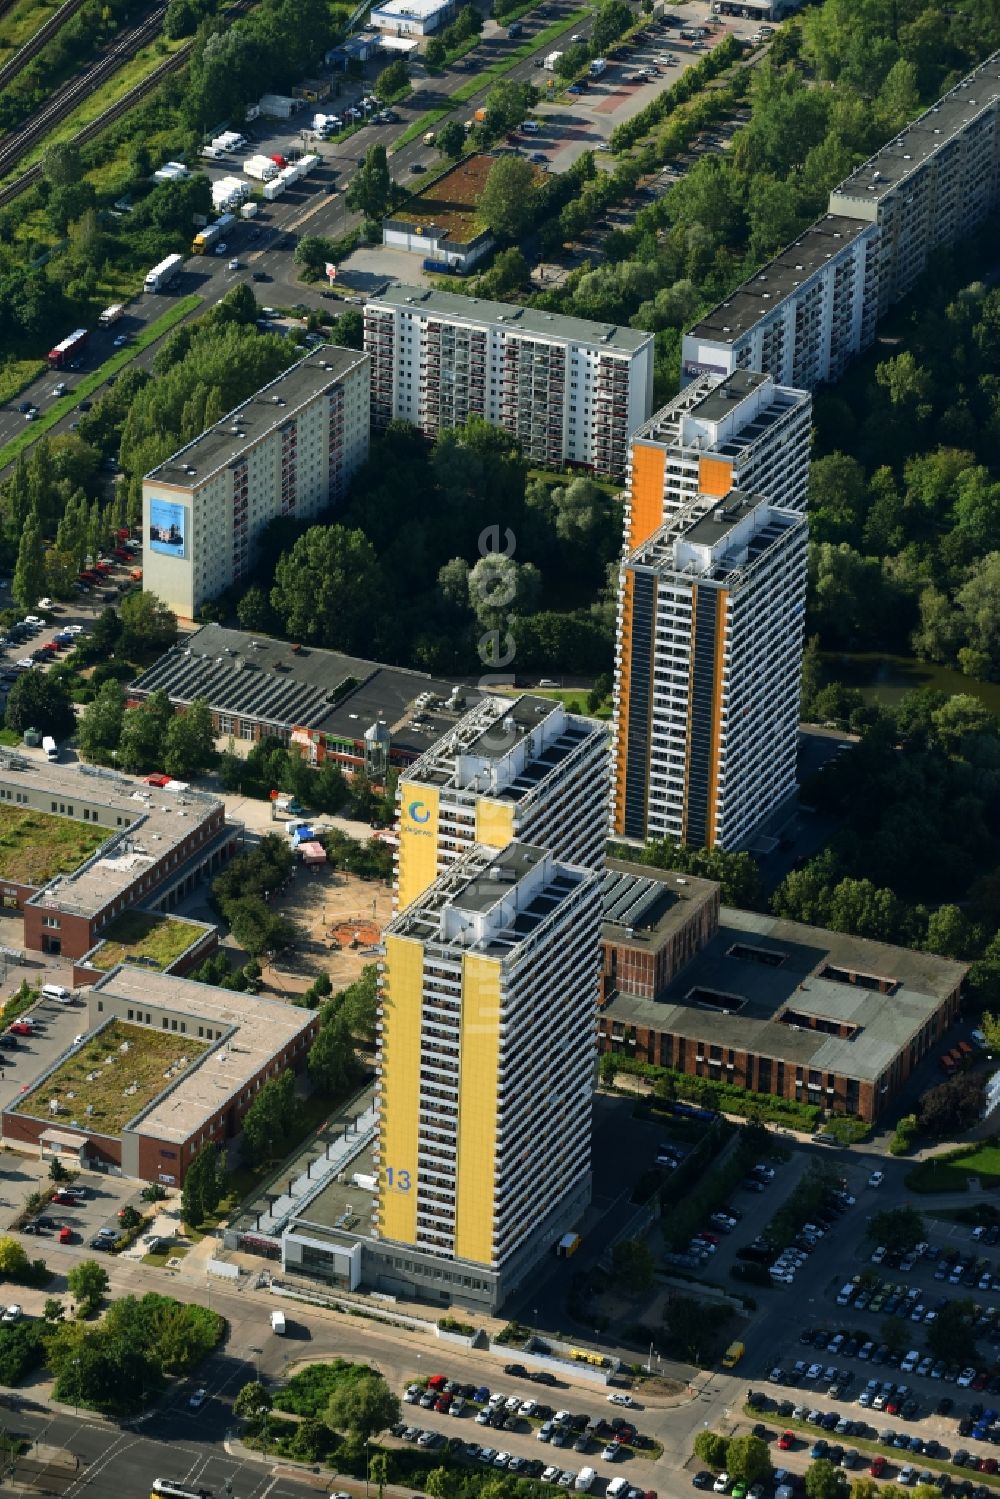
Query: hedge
{"x": 724, "y": 1096}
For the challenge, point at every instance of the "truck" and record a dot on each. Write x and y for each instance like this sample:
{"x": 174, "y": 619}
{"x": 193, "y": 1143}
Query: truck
{"x": 273, "y": 189}
{"x": 568, "y": 1245}
{"x": 160, "y": 277}
{"x": 249, "y": 211}
{"x": 212, "y": 233}
{"x": 551, "y": 61}
{"x": 261, "y": 168}
{"x": 65, "y": 352}
{"x": 111, "y": 314}
{"x": 280, "y": 161}
{"x": 430, "y": 137}
{"x": 279, "y": 106}
{"x": 214, "y": 153}
{"x": 50, "y": 747}
{"x": 733, "y": 1354}
{"x": 278, "y": 1323}
{"x": 598, "y": 66}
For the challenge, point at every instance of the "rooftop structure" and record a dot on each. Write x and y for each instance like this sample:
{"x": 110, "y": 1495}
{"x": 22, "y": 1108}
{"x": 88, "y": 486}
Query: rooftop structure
{"x": 511, "y": 768}
{"x": 256, "y": 686}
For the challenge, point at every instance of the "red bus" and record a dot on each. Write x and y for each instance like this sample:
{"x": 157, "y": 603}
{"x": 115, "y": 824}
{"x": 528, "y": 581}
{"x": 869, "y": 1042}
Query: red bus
{"x": 63, "y": 353}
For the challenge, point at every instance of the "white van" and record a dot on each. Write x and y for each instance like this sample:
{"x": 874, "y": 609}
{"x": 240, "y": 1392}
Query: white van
{"x": 617, "y": 1487}
{"x": 278, "y": 1323}
{"x": 585, "y": 1480}
{"x": 530, "y": 127}
{"x": 58, "y": 993}
{"x": 846, "y": 1292}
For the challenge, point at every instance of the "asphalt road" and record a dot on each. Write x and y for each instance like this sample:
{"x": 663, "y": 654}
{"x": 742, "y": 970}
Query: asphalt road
{"x": 307, "y": 209}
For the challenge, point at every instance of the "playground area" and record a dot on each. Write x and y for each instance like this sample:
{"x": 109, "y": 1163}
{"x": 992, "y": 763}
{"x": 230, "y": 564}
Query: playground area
{"x": 338, "y": 920}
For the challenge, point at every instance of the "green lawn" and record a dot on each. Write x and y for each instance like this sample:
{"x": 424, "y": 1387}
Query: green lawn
{"x": 574, "y": 698}
{"x": 140, "y": 934}
{"x": 34, "y": 846}
{"x": 951, "y": 1172}
{"x": 15, "y": 374}
{"x": 116, "y": 1084}
{"x": 21, "y": 22}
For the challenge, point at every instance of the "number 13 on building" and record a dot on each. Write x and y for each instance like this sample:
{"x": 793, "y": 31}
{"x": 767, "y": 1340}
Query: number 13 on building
{"x": 397, "y": 1181}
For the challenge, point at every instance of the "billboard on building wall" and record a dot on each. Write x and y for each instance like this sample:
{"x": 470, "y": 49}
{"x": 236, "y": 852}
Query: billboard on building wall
{"x": 168, "y": 528}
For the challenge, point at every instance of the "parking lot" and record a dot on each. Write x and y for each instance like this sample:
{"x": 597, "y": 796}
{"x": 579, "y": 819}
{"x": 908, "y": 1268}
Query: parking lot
{"x": 52, "y": 1032}
{"x": 518, "y": 1432}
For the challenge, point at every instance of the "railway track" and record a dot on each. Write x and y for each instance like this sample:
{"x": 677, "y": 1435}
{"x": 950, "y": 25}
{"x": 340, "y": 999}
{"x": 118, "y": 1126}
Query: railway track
{"x": 35, "y": 43}
{"x": 71, "y": 94}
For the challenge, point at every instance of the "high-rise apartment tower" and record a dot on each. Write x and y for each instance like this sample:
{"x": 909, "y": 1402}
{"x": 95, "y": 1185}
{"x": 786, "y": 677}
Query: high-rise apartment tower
{"x": 711, "y": 616}
{"x": 512, "y": 768}
{"x": 485, "y": 1071}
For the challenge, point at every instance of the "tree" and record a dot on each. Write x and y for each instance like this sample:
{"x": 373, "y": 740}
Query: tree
{"x": 711, "y": 1448}
{"x": 128, "y": 1218}
{"x": 190, "y": 741}
{"x": 895, "y": 1334}
{"x": 899, "y": 1229}
{"x": 747, "y": 1457}
{"x": 508, "y": 199}
{"x": 87, "y": 1283}
{"x": 328, "y": 588}
{"x": 358, "y": 1004}
{"x": 268, "y": 1119}
{"x": 144, "y": 733}
{"x": 435, "y": 52}
{"x": 57, "y": 1171}
{"x": 99, "y": 728}
{"x": 951, "y": 1336}
{"x": 393, "y": 80}
{"x": 632, "y": 1266}
{"x": 53, "y": 1310}
{"x": 333, "y": 1065}
{"x": 824, "y": 1481}
{"x": 148, "y": 626}
{"x": 29, "y": 573}
{"x": 372, "y": 190}
{"x": 378, "y": 1471}
{"x": 252, "y": 1402}
{"x": 362, "y": 1407}
{"x": 952, "y": 1106}
{"x": 40, "y": 701}
{"x": 451, "y": 139}
{"x": 13, "y": 1260}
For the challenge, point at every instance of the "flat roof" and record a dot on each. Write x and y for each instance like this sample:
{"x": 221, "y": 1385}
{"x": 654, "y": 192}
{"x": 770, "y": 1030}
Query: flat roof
{"x": 644, "y": 908}
{"x": 718, "y": 402}
{"x": 504, "y": 749}
{"x": 506, "y": 315}
{"x": 779, "y": 278}
{"x": 929, "y": 133}
{"x": 267, "y": 410}
{"x": 261, "y": 678}
{"x": 158, "y": 820}
{"x": 254, "y": 1030}
{"x": 705, "y": 523}
{"x": 507, "y": 896}
{"x": 419, "y": 8}
{"x": 710, "y": 399}
{"x": 761, "y": 982}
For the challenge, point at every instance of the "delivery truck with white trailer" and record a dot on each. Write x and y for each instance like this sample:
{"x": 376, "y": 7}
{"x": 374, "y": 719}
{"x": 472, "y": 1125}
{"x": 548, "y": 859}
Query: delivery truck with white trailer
{"x": 111, "y": 314}
{"x": 552, "y": 61}
{"x": 260, "y": 168}
{"x": 160, "y": 277}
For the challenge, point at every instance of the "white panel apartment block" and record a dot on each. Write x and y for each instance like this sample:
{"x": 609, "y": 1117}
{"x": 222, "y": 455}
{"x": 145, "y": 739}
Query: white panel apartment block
{"x": 570, "y": 390}
{"x": 289, "y": 450}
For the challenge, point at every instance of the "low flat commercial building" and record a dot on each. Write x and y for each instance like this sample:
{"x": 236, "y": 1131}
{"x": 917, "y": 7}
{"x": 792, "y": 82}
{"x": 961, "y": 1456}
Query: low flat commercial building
{"x": 226, "y": 1046}
{"x": 411, "y": 17}
{"x": 145, "y": 846}
{"x": 333, "y": 707}
{"x": 769, "y": 1005}
{"x": 570, "y": 390}
{"x": 290, "y": 450}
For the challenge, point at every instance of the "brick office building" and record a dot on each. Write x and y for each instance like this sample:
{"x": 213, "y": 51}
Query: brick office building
{"x": 238, "y": 1042}
{"x": 160, "y": 842}
{"x": 769, "y": 1005}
